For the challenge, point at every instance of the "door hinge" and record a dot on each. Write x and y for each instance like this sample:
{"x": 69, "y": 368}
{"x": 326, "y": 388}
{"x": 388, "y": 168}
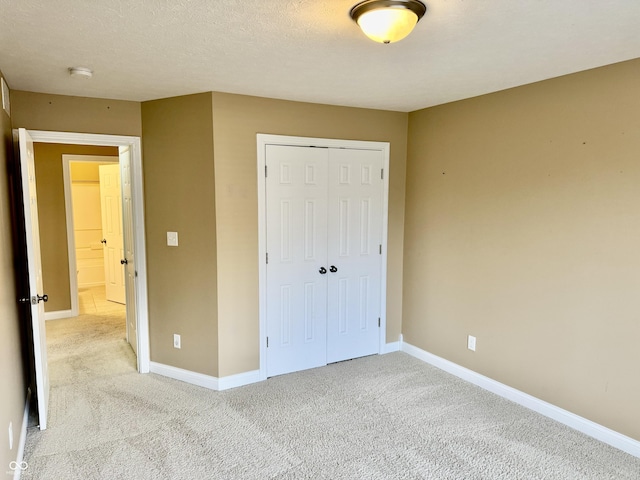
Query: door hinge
{"x": 380, "y": 249}
{"x": 267, "y": 257}
{"x": 267, "y": 342}
{"x": 265, "y": 171}
{"x": 378, "y": 322}
{"x": 382, "y": 174}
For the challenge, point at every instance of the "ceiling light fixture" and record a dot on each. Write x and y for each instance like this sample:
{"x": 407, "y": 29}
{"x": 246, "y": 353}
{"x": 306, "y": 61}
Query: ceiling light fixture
{"x": 387, "y": 21}
{"x": 80, "y": 72}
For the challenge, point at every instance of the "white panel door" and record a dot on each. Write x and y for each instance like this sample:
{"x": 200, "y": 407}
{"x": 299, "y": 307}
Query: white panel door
{"x": 113, "y": 248}
{"x": 36, "y": 296}
{"x": 296, "y": 216}
{"x": 324, "y": 236}
{"x": 128, "y": 260}
{"x": 354, "y": 256}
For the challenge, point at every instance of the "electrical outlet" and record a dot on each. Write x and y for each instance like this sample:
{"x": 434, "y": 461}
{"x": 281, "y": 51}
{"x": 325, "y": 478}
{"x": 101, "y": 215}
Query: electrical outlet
{"x": 10, "y": 435}
{"x": 471, "y": 343}
{"x": 176, "y": 340}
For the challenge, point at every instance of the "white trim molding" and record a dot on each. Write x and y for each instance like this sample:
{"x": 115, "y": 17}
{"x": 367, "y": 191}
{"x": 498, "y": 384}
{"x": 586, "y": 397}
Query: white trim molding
{"x": 23, "y": 436}
{"x": 581, "y": 424}
{"x": 262, "y": 140}
{"x": 59, "y": 314}
{"x": 391, "y": 347}
{"x": 206, "y": 381}
{"x": 187, "y": 376}
{"x": 239, "y": 380}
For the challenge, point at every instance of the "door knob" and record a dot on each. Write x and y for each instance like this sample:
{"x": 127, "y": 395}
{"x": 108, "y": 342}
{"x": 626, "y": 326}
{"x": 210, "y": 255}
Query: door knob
{"x": 104, "y": 240}
{"x": 333, "y": 269}
{"x": 37, "y": 299}
{"x": 322, "y": 270}
{"x": 124, "y": 261}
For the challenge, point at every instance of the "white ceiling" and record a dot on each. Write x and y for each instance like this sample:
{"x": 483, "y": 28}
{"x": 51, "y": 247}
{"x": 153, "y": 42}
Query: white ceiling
{"x": 306, "y": 50}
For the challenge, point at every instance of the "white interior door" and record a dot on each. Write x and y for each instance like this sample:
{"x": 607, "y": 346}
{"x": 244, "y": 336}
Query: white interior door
{"x": 323, "y": 237}
{"x": 128, "y": 260}
{"x": 113, "y": 247}
{"x": 354, "y": 251}
{"x": 297, "y": 251}
{"x": 36, "y": 295}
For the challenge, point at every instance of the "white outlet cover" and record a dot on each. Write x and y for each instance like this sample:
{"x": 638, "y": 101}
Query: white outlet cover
{"x": 176, "y": 340}
{"x": 10, "y": 435}
{"x": 471, "y": 343}
{"x": 172, "y": 239}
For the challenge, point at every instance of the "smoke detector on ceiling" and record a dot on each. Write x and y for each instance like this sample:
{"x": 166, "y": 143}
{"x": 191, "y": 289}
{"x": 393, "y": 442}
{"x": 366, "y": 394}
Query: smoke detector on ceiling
{"x": 80, "y": 72}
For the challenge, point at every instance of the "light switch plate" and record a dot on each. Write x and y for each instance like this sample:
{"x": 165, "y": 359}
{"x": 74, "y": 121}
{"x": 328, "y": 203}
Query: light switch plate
{"x": 172, "y": 239}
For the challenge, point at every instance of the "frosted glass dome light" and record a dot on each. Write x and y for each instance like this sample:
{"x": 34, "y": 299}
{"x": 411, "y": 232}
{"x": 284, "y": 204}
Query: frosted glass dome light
{"x": 387, "y": 21}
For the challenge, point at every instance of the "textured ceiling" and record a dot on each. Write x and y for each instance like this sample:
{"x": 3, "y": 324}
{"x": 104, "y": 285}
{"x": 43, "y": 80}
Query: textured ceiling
{"x": 306, "y": 50}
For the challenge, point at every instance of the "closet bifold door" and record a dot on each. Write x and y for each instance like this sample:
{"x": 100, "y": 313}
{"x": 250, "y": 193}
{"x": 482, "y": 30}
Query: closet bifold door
{"x": 296, "y": 219}
{"x": 354, "y": 232}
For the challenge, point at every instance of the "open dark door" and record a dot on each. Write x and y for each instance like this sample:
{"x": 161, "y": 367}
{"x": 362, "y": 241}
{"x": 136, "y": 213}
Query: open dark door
{"x": 34, "y": 296}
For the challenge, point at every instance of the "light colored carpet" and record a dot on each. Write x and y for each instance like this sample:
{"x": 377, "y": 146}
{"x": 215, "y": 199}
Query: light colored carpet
{"x": 380, "y": 417}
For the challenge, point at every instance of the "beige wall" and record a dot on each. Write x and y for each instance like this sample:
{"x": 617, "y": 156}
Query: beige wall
{"x": 522, "y": 229}
{"x": 60, "y": 113}
{"x": 52, "y": 218}
{"x": 12, "y": 398}
{"x": 179, "y": 184}
{"x": 85, "y": 171}
{"x": 236, "y": 121}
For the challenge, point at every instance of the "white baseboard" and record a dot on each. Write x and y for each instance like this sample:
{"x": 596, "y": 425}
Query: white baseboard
{"x": 187, "y": 376}
{"x": 59, "y": 314}
{"x": 238, "y": 380}
{"x": 206, "y": 381}
{"x": 23, "y": 437}
{"x": 595, "y": 430}
{"x": 391, "y": 347}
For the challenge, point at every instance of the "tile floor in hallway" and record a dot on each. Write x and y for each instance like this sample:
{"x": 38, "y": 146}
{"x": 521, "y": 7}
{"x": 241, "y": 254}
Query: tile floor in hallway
{"x": 93, "y": 300}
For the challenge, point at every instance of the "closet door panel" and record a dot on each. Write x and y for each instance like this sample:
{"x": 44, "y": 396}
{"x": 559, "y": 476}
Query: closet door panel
{"x": 296, "y": 214}
{"x": 354, "y": 228}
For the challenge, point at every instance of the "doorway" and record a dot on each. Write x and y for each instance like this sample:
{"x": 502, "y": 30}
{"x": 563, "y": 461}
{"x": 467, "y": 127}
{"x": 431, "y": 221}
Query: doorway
{"x": 322, "y": 251}
{"x": 130, "y": 159}
{"x": 93, "y": 211}
{"x": 134, "y": 264}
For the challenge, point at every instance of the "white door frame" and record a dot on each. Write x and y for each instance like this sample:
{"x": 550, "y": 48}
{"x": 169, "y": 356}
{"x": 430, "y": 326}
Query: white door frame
{"x": 134, "y": 143}
{"x": 71, "y": 241}
{"x": 262, "y": 141}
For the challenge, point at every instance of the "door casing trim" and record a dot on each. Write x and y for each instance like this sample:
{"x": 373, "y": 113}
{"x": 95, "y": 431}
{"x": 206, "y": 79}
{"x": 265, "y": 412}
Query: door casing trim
{"x": 142, "y": 307}
{"x": 262, "y": 140}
